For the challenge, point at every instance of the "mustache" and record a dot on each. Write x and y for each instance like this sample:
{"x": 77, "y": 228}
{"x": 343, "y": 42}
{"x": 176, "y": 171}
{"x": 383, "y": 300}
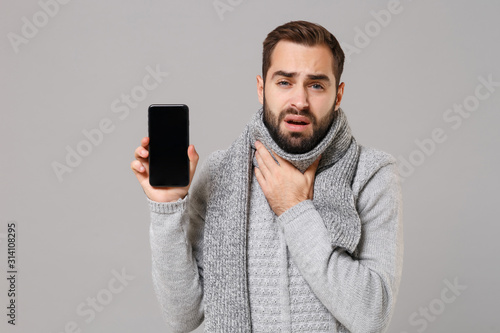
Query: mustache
{"x": 304, "y": 112}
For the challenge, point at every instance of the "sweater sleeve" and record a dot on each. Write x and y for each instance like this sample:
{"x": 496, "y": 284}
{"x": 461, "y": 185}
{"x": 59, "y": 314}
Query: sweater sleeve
{"x": 176, "y": 237}
{"x": 360, "y": 291}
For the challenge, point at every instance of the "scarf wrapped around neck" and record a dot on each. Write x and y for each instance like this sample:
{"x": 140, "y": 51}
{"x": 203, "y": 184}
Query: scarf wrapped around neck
{"x": 226, "y": 298}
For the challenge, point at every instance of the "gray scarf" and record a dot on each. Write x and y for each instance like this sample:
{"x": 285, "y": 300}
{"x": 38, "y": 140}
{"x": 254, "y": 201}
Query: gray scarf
{"x": 225, "y": 239}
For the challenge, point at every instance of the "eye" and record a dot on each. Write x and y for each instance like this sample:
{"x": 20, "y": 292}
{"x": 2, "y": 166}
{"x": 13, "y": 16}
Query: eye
{"x": 283, "y": 83}
{"x": 317, "y": 86}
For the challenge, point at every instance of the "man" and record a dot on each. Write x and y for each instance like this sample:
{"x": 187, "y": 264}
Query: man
{"x": 295, "y": 227}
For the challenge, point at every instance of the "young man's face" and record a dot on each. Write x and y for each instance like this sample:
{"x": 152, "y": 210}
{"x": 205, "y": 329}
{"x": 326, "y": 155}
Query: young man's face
{"x": 299, "y": 95}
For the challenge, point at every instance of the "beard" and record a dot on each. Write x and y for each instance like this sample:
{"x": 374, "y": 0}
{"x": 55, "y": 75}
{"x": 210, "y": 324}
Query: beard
{"x": 297, "y": 142}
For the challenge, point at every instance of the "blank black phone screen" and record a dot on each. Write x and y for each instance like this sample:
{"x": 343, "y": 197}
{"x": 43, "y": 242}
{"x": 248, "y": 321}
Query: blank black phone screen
{"x": 168, "y": 126}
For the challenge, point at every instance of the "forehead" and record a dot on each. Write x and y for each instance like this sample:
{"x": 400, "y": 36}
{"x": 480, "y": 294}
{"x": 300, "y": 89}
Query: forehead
{"x": 292, "y": 57}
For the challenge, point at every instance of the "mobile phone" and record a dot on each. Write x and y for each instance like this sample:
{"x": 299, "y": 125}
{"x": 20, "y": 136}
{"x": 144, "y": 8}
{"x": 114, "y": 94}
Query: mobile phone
{"x": 168, "y": 127}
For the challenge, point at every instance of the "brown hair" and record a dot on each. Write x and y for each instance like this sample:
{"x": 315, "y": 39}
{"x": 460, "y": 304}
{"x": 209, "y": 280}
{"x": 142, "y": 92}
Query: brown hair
{"x": 305, "y": 33}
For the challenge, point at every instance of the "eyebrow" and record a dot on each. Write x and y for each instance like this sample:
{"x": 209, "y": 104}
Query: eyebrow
{"x": 317, "y": 77}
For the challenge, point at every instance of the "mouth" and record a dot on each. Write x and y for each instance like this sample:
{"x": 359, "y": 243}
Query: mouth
{"x": 296, "y": 123}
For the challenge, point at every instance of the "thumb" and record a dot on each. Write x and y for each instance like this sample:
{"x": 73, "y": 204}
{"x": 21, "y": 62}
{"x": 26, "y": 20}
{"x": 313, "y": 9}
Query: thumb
{"x": 310, "y": 173}
{"x": 193, "y": 161}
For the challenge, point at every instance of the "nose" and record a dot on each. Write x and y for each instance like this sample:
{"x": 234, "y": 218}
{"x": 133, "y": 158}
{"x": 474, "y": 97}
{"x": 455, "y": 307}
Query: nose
{"x": 300, "y": 99}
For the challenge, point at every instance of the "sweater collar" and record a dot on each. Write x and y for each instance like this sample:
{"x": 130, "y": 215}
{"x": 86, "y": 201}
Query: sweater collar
{"x": 330, "y": 147}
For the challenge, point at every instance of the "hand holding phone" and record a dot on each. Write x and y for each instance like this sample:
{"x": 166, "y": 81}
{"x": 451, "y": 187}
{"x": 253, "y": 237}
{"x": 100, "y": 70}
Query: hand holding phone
{"x": 141, "y": 168}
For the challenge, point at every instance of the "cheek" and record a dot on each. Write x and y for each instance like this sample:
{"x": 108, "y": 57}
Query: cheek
{"x": 275, "y": 98}
{"x": 328, "y": 100}
{"x": 324, "y": 104}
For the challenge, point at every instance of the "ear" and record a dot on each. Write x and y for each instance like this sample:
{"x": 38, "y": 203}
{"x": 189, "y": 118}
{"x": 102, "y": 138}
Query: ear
{"x": 340, "y": 93}
{"x": 260, "y": 89}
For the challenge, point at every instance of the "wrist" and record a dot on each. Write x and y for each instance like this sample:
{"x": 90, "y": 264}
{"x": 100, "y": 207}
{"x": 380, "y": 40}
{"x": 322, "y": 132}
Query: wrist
{"x": 290, "y": 204}
{"x": 167, "y": 207}
{"x": 165, "y": 196}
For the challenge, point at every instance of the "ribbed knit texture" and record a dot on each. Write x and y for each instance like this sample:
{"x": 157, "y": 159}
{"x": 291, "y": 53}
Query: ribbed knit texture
{"x": 266, "y": 271}
{"x": 339, "y": 155}
{"x": 225, "y": 257}
{"x": 226, "y": 300}
{"x": 329, "y": 276}
{"x": 280, "y": 298}
{"x": 287, "y": 303}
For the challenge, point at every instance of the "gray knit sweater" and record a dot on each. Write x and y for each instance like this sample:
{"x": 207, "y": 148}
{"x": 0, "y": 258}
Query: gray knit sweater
{"x": 356, "y": 293}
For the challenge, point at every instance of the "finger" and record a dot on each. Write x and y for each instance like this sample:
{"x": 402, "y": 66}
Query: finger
{"x": 261, "y": 179}
{"x": 141, "y": 154}
{"x": 139, "y": 170}
{"x": 311, "y": 193}
{"x": 310, "y": 173}
{"x": 143, "y": 150}
{"x": 281, "y": 161}
{"x": 263, "y": 169}
{"x": 193, "y": 161}
{"x": 266, "y": 156}
{"x": 273, "y": 160}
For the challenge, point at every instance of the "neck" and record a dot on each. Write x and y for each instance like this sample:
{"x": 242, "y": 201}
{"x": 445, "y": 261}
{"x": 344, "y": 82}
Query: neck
{"x": 331, "y": 147}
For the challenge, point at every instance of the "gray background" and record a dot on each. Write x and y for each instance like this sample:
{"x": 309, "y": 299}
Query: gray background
{"x": 73, "y": 233}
